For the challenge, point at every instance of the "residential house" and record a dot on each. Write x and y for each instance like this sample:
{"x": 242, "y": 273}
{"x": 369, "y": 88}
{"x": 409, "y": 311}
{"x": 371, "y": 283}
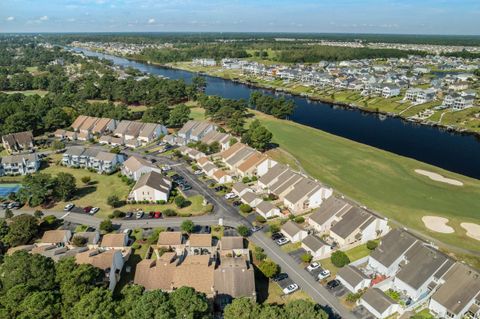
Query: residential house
{"x": 209, "y": 169}
{"x": 18, "y": 142}
{"x": 21, "y": 164}
{"x": 222, "y": 139}
{"x": 267, "y": 210}
{"x": 221, "y": 176}
{"x": 225, "y": 155}
{"x": 257, "y": 164}
{"x": 421, "y": 272}
{"x": 195, "y": 130}
{"x": 172, "y": 240}
{"x": 316, "y": 247}
{"x": 306, "y": 194}
{"x": 357, "y": 226}
{"x": 200, "y": 244}
{"x": 134, "y": 167}
{"x": 110, "y": 261}
{"x": 390, "y": 90}
{"x": 151, "y": 187}
{"x": 78, "y": 122}
{"x": 250, "y": 199}
{"x": 92, "y": 238}
{"x": 378, "y": 303}
{"x": 114, "y": 241}
{"x": 151, "y": 131}
{"x": 240, "y": 188}
{"x": 324, "y": 217}
{"x": 55, "y": 237}
{"x": 104, "y": 125}
{"x": 459, "y": 295}
{"x": 353, "y": 278}
{"x": 100, "y": 161}
{"x": 233, "y": 246}
{"x": 293, "y": 232}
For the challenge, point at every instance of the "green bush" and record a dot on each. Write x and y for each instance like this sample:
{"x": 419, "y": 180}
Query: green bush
{"x": 260, "y": 219}
{"x": 259, "y": 254}
{"x": 306, "y": 258}
{"x": 243, "y": 230}
{"x": 372, "y": 244}
{"x": 118, "y": 214}
{"x": 50, "y": 219}
{"x": 136, "y": 245}
{"x": 269, "y": 268}
{"x": 245, "y": 208}
{"x": 181, "y": 202}
{"x": 246, "y": 180}
{"x": 274, "y": 228}
{"x": 299, "y": 220}
{"x": 339, "y": 259}
{"x": 169, "y": 212}
{"x": 208, "y": 208}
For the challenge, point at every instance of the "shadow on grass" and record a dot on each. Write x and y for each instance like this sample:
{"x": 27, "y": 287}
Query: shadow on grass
{"x": 262, "y": 283}
{"x": 84, "y": 191}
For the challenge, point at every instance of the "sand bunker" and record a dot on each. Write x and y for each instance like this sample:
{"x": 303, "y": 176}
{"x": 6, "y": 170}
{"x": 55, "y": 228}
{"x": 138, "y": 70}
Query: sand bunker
{"x": 437, "y": 224}
{"x": 473, "y": 230}
{"x": 438, "y": 178}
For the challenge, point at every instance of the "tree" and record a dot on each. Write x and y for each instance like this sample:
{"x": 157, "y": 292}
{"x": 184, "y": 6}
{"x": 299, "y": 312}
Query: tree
{"x": 257, "y": 136}
{"x": 187, "y": 226}
{"x": 23, "y": 228}
{"x": 38, "y": 214}
{"x": 303, "y": 309}
{"x": 98, "y": 304}
{"x": 41, "y": 305}
{"x": 243, "y": 230}
{"x": 56, "y": 118}
{"x": 114, "y": 201}
{"x": 245, "y": 208}
{"x": 130, "y": 295}
{"x": 188, "y": 303}
{"x": 180, "y": 201}
{"x": 241, "y": 308}
{"x": 8, "y": 213}
{"x": 152, "y": 304}
{"x": 12, "y": 298}
{"x": 79, "y": 241}
{"x": 271, "y": 311}
{"x": 372, "y": 244}
{"x": 75, "y": 281}
{"x": 269, "y": 268}
{"x": 106, "y": 226}
{"x": 86, "y": 180}
{"x": 65, "y": 186}
{"x": 339, "y": 259}
{"x": 36, "y": 188}
{"x": 274, "y": 228}
{"x": 35, "y": 271}
{"x": 179, "y": 115}
{"x": 306, "y": 258}
{"x": 58, "y": 145}
{"x": 159, "y": 113}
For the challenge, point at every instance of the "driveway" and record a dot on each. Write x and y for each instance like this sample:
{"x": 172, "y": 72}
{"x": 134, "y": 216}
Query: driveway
{"x": 361, "y": 313}
{"x": 297, "y": 255}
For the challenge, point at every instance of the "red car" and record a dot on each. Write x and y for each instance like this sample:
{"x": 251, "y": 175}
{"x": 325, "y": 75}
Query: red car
{"x": 87, "y": 209}
{"x": 157, "y": 215}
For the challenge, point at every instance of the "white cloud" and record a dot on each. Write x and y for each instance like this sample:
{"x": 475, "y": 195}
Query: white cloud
{"x": 10, "y": 18}
{"x": 71, "y": 20}
{"x": 151, "y": 21}
{"x": 44, "y": 18}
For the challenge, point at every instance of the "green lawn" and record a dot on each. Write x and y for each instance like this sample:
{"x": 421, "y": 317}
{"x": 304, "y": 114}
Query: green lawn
{"x": 354, "y": 254}
{"x": 383, "y": 181}
{"x": 28, "y": 92}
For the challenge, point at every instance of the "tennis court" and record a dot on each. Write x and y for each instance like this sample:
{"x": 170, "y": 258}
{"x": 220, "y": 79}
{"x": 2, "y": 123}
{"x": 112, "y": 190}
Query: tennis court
{"x": 6, "y": 189}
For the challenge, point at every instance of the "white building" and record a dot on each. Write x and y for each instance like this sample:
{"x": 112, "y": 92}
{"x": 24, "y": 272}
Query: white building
{"x": 151, "y": 187}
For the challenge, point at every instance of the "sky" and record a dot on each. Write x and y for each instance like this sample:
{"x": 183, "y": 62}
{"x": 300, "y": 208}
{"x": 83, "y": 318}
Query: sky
{"x": 342, "y": 16}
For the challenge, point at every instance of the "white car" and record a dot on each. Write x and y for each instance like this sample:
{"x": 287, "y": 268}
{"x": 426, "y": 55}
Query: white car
{"x": 282, "y": 241}
{"x": 139, "y": 214}
{"x": 230, "y": 196}
{"x": 290, "y": 288}
{"x": 324, "y": 274}
{"x": 94, "y": 210}
{"x": 198, "y": 172}
{"x": 69, "y": 207}
{"x": 166, "y": 168}
{"x": 313, "y": 266}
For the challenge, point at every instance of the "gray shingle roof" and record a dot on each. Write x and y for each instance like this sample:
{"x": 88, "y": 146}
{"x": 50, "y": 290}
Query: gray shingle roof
{"x": 393, "y": 245}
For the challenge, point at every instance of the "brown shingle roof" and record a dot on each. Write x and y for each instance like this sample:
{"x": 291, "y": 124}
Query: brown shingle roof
{"x": 200, "y": 240}
{"x": 96, "y": 258}
{"x": 134, "y": 163}
{"x": 232, "y": 150}
{"x": 113, "y": 240}
{"x": 252, "y": 161}
{"x": 231, "y": 242}
{"x": 155, "y": 180}
{"x": 170, "y": 238}
{"x": 235, "y": 278}
{"x": 54, "y": 236}
{"x": 78, "y": 122}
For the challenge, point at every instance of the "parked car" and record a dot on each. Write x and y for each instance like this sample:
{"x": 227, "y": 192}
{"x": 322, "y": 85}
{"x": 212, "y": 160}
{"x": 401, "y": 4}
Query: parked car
{"x": 282, "y": 241}
{"x": 127, "y": 231}
{"x": 151, "y": 214}
{"x": 276, "y": 236}
{"x": 280, "y": 277}
{"x": 207, "y": 229}
{"x": 94, "y": 210}
{"x": 237, "y": 203}
{"x": 87, "y": 209}
{"x": 68, "y": 207}
{"x": 230, "y": 196}
{"x": 166, "y": 168}
{"x": 333, "y": 283}
{"x": 157, "y": 215}
{"x": 198, "y": 172}
{"x": 256, "y": 228}
{"x": 325, "y": 273}
{"x": 129, "y": 215}
{"x": 139, "y": 214}
{"x": 313, "y": 266}
{"x": 13, "y": 205}
{"x": 4, "y": 205}
{"x": 220, "y": 188}
{"x": 290, "y": 288}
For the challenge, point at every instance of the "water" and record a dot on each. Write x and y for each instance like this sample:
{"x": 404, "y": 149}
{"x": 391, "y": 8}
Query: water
{"x": 451, "y": 151}
{"x": 6, "y": 189}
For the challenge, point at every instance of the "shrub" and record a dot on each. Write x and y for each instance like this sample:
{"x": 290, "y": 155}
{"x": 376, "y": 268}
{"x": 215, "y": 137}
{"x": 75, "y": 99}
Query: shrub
{"x": 246, "y": 180}
{"x": 50, "y": 219}
{"x": 8, "y": 213}
{"x": 180, "y": 201}
{"x": 245, "y": 208}
{"x": 187, "y": 226}
{"x": 118, "y": 214}
{"x": 38, "y": 214}
{"x": 86, "y": 180}
{"x": 259, "y": 254}
{"x": 299, "y": 220}
{"x": 353, "y": 297}
{"x": 339, "y": 259}
{"x": 79, "y": 241}
{"x": 106, "y": 225}
{"x": 136, "y": 245}
{"x": 371, "y": 244}
{"x": 269, "y": 268}
{"x": 274, "y": 228}
{"x": 306, "y": 258}
{"x": 114, "y": 201}
{"x": 169, "y": 212}
{"x": 260, "y": 219}
{"x": 208, "y": 208}
{"x": 243, "y": 230}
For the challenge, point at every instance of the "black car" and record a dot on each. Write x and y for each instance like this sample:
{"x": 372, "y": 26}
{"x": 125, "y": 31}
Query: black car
{"x": 186, "y": 187}
{"x": 129, "y": 215}
{"x": 220, "y": 188}
{"x": 276, "y": 236}
{"x": 280, "y": 277}
{"x": 207, "y": 230}
{"x": 237, "y": 203}
{"x": 333, "y": 284}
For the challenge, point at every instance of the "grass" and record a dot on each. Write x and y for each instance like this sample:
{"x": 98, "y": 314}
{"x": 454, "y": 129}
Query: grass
{"x": 276, "y": 296}
{"x": 283, "y": 156}
{"x": 383, "y": 181}
{"x": 196, "y": 208}
{"x": 28, "y": 92}
{"x": 197, "y": 113}
{"x": 353, "y": 254}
